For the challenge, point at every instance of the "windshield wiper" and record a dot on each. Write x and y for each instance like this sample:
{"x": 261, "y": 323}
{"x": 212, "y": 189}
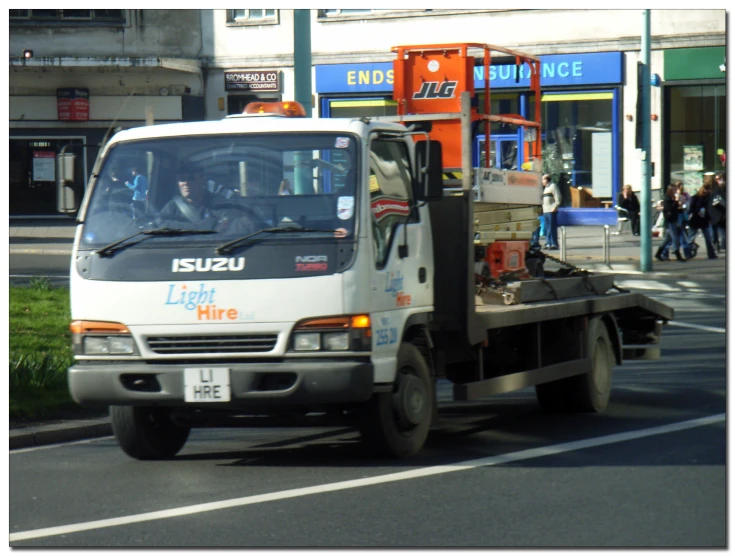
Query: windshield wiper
{"x": 230, "y": 245}
{"x": 109, "y": 250}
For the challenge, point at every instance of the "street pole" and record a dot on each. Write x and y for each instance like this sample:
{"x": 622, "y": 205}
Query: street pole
{"x": 302, "y": 58}
{"x": 302, "y": 86}
{"x": 645, "y": 87}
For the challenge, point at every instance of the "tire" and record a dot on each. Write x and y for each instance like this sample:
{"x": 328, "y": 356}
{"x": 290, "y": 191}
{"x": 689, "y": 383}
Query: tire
{"x": 396, "y": 424}
{"x": 147, "y": 433}
{"x": 589, "y": 392}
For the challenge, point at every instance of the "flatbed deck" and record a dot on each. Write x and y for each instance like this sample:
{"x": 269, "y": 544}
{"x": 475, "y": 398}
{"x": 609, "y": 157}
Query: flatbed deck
{"x": 499, "y": 316}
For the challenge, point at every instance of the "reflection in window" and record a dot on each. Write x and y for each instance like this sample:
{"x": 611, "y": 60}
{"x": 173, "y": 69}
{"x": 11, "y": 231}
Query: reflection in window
{"x": 390, "y": 193}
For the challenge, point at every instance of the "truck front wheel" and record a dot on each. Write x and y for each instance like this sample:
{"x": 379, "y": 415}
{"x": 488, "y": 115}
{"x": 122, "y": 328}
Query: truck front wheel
{"x": 147, "y": 433}
{"x": 397, "y": 423}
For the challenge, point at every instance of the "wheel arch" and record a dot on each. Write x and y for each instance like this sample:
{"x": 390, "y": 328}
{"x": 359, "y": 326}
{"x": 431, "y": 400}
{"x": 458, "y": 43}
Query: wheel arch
{"x": 416, "y": 332}
{"x": 611, "y": 323}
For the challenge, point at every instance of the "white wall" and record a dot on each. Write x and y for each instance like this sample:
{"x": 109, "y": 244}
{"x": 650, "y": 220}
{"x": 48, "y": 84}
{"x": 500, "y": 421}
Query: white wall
{"x": 100, "y": 108}
{"x": 169, "y": 32}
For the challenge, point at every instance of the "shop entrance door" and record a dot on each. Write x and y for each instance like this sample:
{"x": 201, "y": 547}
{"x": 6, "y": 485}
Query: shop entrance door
{"x": 33, "y": 166}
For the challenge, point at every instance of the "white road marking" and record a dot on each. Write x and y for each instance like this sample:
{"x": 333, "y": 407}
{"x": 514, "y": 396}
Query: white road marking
{"x": 698, "y": 327}
{"x": 381, "y": 479}
{"x": 59, "y": 445}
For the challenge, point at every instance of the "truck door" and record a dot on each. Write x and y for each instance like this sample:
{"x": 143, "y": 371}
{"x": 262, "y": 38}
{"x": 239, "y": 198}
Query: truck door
{"x": 400, "y": 286}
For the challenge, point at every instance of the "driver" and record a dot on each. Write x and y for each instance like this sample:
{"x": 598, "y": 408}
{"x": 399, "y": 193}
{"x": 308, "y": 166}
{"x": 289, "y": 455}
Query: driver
{"x": 193, "y": 202}
{"x": 197, "y": 205}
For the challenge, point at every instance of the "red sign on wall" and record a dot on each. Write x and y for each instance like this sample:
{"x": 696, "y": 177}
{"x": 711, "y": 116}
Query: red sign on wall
{"x": 72, "y": 104}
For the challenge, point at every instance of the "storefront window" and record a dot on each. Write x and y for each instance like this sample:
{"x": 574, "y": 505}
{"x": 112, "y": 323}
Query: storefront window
{"x": 697, "y": 126}
{"x": 576, "y": 128}
{"x": 358, "y": 108}
{"x": 500, "y": 103}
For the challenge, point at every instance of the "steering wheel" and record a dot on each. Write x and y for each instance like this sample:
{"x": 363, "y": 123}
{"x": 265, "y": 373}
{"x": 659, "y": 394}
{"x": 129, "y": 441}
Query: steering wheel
{"x": 231, "y": 218}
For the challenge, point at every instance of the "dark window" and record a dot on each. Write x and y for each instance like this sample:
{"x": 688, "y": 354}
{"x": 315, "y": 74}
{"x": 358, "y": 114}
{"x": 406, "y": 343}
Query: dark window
{"x": 249, "y": 16}
{"x": 68, "y": 15}
{"x": 697, "y": 122}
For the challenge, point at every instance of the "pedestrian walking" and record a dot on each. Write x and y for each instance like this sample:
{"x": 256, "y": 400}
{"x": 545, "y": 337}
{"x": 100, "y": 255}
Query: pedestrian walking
{"x": 700, "y": 216}
{"x": 139, "y": 186}
{"x": 718, "y": 212}
{"x": 629, "y": 207}
{"x": 671, "y": 217}
{"x": 550, "y": 206}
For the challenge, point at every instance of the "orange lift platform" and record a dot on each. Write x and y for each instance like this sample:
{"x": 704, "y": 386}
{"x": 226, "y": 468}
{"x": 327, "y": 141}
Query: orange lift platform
{"x": 430, "y": 79}
{"x": 436, "y": 83}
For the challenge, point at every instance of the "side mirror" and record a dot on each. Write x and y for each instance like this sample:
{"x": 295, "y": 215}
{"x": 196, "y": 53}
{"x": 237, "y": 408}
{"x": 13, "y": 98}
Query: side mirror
{"x": 429, "y": 178}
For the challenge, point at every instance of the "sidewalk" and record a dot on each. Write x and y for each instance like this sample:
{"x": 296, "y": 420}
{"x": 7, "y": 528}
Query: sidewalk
{"x": 584, "y": 249}
{"x": 41, "y": 237}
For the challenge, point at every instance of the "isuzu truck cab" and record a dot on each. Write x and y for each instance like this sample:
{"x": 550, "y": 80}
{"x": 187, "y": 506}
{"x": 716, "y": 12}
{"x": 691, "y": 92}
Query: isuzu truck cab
{"x": 300, "y": 286}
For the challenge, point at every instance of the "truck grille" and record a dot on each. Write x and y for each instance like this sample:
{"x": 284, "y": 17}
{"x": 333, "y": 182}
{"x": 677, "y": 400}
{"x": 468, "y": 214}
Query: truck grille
{"x": 244, "y": 343}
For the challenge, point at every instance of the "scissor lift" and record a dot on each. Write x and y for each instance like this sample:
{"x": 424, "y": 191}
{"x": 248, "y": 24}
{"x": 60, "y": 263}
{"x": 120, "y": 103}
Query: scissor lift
{"x": 437, "y": 83}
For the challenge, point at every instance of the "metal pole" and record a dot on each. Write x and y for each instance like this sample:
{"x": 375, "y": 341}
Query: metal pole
{"x": 302, "y": 58}
{"x": 646, "y": 258}
{"x": 563, "y": 253}
{"x": 303, "y": 182}
{"x": 606, "y": 244}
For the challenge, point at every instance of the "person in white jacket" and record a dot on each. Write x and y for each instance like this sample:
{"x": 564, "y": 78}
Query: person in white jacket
{"x": 550, "y": 205}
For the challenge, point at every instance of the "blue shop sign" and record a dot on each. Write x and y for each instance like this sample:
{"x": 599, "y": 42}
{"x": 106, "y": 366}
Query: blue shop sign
{"x": 599, "y": 68}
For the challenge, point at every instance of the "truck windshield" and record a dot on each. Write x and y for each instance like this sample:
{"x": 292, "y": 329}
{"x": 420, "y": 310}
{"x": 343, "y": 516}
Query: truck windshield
{"x": 232, "y": 185}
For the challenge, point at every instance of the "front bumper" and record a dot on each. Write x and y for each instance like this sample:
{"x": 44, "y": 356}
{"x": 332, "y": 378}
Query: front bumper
{"x": 261, "y": 384}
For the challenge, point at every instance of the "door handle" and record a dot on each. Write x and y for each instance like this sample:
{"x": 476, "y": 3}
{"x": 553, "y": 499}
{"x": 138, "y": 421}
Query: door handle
{"x": 422, "y": 275}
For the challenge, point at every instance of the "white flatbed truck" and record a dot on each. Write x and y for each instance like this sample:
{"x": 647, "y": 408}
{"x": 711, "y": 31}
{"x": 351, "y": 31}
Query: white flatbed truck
{"x": 345, "y": 293}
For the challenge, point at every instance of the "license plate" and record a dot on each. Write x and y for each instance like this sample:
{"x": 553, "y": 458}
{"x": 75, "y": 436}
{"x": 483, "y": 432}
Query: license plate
{"x": 205, "y": 384}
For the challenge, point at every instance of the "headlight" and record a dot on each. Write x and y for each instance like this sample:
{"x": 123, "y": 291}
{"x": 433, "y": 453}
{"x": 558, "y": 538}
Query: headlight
{"x": 101, "y": 338}
{"x": 306, "y": 341}
{"x": 335, "y": 341}
{"x": 343, "y": 333}
{"x": 108, "y": 345}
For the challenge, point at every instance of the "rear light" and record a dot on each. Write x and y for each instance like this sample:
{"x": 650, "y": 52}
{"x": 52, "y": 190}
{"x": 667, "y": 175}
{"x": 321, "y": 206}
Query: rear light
{"x": 290, "y": 109}
{"x": 342, "y": 333}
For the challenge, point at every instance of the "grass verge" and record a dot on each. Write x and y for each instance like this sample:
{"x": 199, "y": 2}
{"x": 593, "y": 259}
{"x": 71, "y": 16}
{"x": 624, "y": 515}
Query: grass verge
{"x": 39, "y": 349}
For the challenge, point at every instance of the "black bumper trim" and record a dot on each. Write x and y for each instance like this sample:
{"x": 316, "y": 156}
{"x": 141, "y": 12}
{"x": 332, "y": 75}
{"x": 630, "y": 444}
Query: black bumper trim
{"x": 314, "y": 383}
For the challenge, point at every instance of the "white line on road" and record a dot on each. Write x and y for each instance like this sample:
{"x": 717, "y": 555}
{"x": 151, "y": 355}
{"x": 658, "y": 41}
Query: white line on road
{"x": 698, "y": 326}
{"x": 381, "y": 479}
{"x": 58, "y": 445}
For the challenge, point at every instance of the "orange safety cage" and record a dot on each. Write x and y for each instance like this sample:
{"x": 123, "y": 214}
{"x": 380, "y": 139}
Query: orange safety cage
{"x": 428, "y": 79}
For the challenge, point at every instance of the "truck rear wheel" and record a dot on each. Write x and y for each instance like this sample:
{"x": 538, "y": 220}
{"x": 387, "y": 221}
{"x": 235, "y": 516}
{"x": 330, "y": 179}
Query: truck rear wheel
{"x": 147, "y": 433}
{"x": 397, "y": 423}
{"x": 589, "y": 392}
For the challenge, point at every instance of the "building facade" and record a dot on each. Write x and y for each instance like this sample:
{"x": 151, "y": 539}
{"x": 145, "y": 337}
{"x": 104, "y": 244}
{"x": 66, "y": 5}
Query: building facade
{"x": 142, "y": 68}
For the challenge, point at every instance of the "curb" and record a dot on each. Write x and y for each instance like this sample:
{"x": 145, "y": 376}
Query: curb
{"x": 56, "y": 434}
{"x": 41, "y": 251}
